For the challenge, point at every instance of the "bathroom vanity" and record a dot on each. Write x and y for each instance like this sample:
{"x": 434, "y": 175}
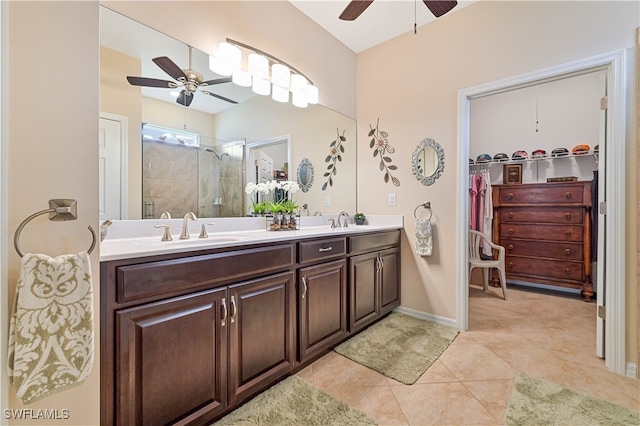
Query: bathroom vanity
{"x": 190, "y": 334}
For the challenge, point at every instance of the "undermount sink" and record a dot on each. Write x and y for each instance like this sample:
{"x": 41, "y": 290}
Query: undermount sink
{"x": 212, "y": 239}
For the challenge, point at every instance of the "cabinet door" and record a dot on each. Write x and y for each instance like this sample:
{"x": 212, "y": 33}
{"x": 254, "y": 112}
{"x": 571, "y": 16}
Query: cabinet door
{"x": 363, "y": 293}
{"x": 170, "y": 360}
{"x": 261, "y": 333}
{"x": 389, "y": 280}
{"x": 322, "y": 301}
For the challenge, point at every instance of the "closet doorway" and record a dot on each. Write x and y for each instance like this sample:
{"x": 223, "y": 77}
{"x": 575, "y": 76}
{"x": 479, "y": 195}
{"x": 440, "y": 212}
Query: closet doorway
{"x": 611, "y": 223}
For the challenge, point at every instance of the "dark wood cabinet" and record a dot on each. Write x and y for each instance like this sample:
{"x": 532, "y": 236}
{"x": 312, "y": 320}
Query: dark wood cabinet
{"x": 545, "y": 229}
{"x": 374, "y": 278}
{"x": 171, "y": 360}
{"x": 188, "y": 337}
{"x": 322, "y": 307}
{"x": 261, "y": 327}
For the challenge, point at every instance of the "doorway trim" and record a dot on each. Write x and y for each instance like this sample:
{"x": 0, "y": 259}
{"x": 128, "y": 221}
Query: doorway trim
{"x": 614, "y": 63}
{"x": 124, "y": 159}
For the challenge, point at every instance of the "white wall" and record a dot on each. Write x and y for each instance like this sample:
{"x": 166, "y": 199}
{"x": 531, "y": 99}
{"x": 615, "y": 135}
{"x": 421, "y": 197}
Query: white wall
{"x": 557, "y": 114}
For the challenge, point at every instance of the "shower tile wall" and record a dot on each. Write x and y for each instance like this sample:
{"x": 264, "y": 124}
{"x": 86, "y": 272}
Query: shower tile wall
{"x": 221, "y": 181}
{"x": 168, "y": 179}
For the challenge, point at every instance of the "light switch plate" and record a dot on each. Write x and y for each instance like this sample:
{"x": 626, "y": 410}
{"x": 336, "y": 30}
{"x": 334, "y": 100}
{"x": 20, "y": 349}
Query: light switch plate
{"x": 327, "y": 201}
{"x": 392, "y": 198}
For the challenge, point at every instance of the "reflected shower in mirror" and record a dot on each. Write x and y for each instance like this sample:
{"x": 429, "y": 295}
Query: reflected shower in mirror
{"x": 428, "y": 161}
{"x": 127, "y": 49}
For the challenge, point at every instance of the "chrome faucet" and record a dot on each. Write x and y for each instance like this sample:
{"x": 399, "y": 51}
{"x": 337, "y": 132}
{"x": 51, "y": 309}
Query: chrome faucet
{"x": 346, "y": 225}
{"x": 185, "y": 225}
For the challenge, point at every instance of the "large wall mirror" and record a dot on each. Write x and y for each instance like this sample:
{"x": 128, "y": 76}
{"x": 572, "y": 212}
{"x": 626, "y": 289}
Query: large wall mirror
{"x": 144, "y": 173}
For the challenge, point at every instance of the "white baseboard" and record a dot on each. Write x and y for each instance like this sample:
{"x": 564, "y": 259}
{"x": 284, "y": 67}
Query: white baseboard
{"x": 426, "y": 316}
{"x": 632, "y": 370}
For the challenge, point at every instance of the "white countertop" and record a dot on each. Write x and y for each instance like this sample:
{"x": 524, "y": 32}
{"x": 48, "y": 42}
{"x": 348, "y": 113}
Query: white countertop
{"x": 132, "y": 239}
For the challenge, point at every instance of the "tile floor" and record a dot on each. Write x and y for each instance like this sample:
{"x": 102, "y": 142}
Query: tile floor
{"x": 548, "y": 337}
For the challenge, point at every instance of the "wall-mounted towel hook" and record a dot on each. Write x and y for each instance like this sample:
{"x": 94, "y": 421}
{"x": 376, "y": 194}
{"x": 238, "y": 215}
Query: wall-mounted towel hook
{"x": 427, "y": 206}
{"x": 61, "y": 209}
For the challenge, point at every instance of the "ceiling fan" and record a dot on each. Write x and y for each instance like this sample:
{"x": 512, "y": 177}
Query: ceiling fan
{"x": 190, "y": 80}
{"x": 356, "y": 7}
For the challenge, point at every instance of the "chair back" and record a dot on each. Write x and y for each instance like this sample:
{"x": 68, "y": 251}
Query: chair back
{"x": 474, "y": 244}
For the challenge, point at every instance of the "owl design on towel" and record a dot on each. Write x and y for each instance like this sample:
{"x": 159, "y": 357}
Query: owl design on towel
{"x": 51, "y": 330}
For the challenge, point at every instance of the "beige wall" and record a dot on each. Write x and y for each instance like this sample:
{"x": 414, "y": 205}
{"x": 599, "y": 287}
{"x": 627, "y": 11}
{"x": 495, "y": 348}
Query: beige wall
{"x": 53, "y": 153}
{"x": 419, "y": 76}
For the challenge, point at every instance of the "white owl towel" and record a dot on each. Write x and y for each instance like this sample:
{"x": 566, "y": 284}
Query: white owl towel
{"x": 51, "y": 330}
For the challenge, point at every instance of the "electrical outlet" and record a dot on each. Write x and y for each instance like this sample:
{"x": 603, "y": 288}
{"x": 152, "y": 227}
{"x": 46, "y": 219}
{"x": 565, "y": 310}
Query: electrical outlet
{"x": 327, "y": 201}
{"x": 392, "y": 198}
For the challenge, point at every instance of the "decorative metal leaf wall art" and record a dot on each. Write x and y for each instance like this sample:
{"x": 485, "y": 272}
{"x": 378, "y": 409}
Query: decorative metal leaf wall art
{"x": 381, "y": 147}
{"x": 337, "y": 149}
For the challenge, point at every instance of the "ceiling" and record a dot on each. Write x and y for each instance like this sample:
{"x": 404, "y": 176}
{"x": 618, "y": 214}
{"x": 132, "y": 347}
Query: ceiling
{"x": 382, "y": 21}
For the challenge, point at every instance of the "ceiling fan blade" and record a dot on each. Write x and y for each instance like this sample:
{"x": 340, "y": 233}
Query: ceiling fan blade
{"x": 439, "y": 8}
{"x": 206, "y": 92}
{"x": 216, "y": 81}
{"x": 151, "y": 82}
{"x": 354, "y": 9}
{"x": 170, "y": 67}
{"x": 185, "y": 98}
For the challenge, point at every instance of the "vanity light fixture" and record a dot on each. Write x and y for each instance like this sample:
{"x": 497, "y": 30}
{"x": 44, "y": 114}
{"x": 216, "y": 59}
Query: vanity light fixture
{"x": 283, "y": 79}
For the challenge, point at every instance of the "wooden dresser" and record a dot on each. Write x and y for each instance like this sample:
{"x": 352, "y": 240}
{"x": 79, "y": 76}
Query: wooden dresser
{"x": 545, "y": 229}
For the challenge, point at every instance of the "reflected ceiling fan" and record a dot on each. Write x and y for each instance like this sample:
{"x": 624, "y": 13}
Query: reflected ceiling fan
{"x": 190, "y": 80}
{"x": 356, "y": 7}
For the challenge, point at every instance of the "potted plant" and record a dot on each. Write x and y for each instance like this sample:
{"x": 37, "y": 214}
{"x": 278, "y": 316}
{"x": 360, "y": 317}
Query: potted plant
{"x": 359, "y": 218}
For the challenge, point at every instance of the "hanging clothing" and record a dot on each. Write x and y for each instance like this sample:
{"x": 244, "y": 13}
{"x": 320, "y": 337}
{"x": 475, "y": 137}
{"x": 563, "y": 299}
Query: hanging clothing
{"x": 473, "y": 202}
{"x": 487, "y": 213}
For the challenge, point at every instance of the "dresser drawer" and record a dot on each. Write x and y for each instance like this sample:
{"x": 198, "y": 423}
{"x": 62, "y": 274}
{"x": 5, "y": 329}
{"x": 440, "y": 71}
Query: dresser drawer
{"x": 553, "y": 250}
{"x": 310, "y": 251}
{"x": 542, "y": 214}
{"x": 546, "y": 232}
{"x": 558, "y": 269}
{"x": 552, "y": 194}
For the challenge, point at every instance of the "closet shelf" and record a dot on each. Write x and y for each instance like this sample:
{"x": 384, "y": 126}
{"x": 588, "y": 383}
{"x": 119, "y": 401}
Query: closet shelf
{"x": 527, "y": 160}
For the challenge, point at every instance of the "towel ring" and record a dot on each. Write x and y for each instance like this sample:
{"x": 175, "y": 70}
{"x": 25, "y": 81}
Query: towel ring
{"x": 60, "y": 209}
{"x": 427, "y": 206}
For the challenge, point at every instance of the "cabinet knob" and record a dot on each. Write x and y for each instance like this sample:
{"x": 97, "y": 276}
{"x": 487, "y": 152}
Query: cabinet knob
{"x": 510, "y": 215}
{"x": 568, "y": 195}
{"x": 510, "y": 196}
{"x": 510, "y": 246}
{"x": 567, "y": 252}
{"x": 567, "y": 215}
{"x": 510, "y": 231}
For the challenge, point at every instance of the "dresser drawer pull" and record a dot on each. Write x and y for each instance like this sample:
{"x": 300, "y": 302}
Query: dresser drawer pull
{"x": 567, "y": 252}
{"x": 567, "y": 233}
{"x": 568, "y": 195}
{"x": 567, "y": 215}
{"x": 510, "y": 196}
{"x": 567, "y": 271}
{"x": 510, "y": 264}
{"x": 510, "y": 231}
{"x": 510, "y": 215}
{"x": 510, "y": 246}
{"x": 322, "y": 249}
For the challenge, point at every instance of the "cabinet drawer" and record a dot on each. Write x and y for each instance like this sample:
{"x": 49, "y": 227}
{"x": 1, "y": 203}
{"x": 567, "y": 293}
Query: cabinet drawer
{"x": 371, "y": 242}
{"x": 569, "y": 215}
{"x": 554, "y": 250}
{"x": 541, "y": 232}
{"x": 558, "y": 269}
{"x": 557, "y": 193}
{"x": 176, "y": 275}
{"x": 310, "y": 251}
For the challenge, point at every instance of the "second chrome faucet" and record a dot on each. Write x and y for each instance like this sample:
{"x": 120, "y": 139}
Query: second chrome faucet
{"x": 184, "y": 235}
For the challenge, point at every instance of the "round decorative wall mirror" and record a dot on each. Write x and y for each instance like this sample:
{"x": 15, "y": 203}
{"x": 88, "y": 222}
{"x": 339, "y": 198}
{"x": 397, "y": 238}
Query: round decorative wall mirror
{"x": 428, "y": 161}
{"x": 305, "y": 174}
